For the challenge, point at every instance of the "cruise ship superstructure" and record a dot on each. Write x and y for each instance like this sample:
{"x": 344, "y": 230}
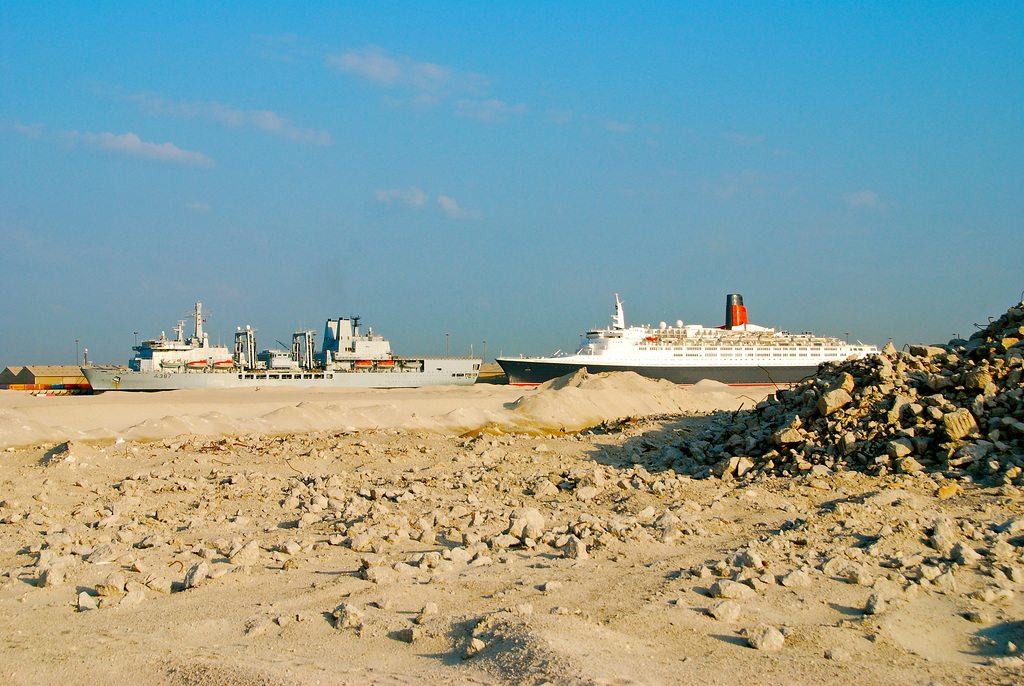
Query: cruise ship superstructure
{"x": 738, "y": 353}
{"x": 346, "y": 359}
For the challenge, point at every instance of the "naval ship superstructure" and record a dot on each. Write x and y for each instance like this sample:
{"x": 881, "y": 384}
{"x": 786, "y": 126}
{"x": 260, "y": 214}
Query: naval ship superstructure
{"x": 738, "y": 353}
{"x": 346, "y": 359}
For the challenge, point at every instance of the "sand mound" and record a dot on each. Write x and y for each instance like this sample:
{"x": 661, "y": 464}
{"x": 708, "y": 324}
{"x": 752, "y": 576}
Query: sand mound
{"x": 571, "y": 403}
{"x": 16, "y": 428}
{"x": 581, "y": 400}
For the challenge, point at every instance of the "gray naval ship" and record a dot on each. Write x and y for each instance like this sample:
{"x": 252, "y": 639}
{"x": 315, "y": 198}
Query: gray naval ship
{"x": 347, "y": 359}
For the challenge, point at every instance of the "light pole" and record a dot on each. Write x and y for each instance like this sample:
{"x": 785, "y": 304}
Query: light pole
{"x": 136, "y": 338}
{"x": 447, "y": 348}
{"x": 484, "y": 360}
{"x": 76, "y": 352}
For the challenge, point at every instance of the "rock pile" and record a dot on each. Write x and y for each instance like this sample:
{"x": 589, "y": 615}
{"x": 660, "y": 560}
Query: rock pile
{"x": 956, "y": 408}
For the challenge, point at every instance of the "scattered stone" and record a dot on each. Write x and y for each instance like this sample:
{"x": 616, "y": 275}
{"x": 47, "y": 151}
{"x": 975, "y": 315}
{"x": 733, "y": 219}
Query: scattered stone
{"x": 113, "y": 585}
{"x": 576, "y": 549}
{"x": 726, "y": 611}
{"x": 428, "y": 610}
{"x": 53, "y": 576}
{"x": 248, "y": 554}
{"x": 876, "y": 604}
{"x": 86, "y": 602}
{"x": 959, "y": 424}
{"x": 725, "y": 588}
{"x": 132, "y": 599}
{"x": 765, "y": 637}
{"x": 833, "y": 400}
{"x": 475, "y": 646}
{"x": 526, "y": 522}
{"x": 502, "y": 541}
{"x": 159, "y": 584}
{"x": 348, "y": 616}
{"x": 964, "y": 554}
{"x": 197, "y": 575}
{"x": 102, "y": 554}
{"x": 945, "y": 582}
{"x": 410, "y": 634}
{"x": 361, "y": 543}
{"x": 798, "y": 578}
{"x": 838, "y": 654}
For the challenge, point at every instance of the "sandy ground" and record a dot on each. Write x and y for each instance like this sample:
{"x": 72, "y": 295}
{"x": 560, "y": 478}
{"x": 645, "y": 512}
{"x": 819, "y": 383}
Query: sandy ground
{"x": 482, "y": 535}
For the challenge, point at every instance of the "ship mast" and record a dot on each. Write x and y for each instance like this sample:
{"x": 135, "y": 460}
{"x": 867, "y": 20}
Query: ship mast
{"x": 619, "y": 319}
{"x": 199, "y": 340}
{"x": 198, "y": 316}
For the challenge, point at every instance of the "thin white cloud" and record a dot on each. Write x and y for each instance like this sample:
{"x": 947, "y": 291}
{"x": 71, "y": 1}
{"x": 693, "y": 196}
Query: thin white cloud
{"x": 128, "y": 144}
{"x": 411, "y": 196}
{"x": 232, "y": 117}
{"x": 376, "y": 65}
{"x": 451, "y": 208}
{"x": 197, "y": 206}
{"x": 861, "y": 199}
{"x": 488, "y": 110}
{"x": 131, "y": 145}
{"x": 618, "y": 127}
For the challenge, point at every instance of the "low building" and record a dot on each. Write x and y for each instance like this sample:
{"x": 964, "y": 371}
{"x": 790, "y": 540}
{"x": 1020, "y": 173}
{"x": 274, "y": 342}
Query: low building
{"x": 44, "y": 377}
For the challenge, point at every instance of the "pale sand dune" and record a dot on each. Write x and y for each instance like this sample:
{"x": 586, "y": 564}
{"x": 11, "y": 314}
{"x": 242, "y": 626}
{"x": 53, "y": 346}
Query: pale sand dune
{"x": 569, "y": 404}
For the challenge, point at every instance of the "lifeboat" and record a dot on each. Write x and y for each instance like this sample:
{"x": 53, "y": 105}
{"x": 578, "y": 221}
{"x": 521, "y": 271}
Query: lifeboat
{"x": 385, "y": 364}
{"x": 197, "y": 364}
{"x": 223, "y": 364}
{"x": 363, "y": 364}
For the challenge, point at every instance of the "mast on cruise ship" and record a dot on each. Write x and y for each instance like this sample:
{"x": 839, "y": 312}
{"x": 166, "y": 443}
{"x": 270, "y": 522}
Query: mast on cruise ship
{"x": 619, "y": 320}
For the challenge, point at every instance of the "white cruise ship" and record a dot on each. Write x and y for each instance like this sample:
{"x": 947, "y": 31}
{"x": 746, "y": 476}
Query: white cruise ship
{"x": 738, "y": 353}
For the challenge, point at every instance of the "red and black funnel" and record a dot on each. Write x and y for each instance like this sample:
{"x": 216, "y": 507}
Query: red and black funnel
{"x": 735, "y": 312}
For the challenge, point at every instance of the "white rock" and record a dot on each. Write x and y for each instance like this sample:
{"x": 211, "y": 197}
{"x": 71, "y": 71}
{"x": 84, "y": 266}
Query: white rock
{"x": 86, "y": 602}
{"x": 197, "y": 575}
{"x": 725, "y": 588}
{"x": 765, "y": 637}
{"x": 798, "y": 578}
{"x": 347, "y": 616}
{"x": 576, "y": 549}
{"x": 248, "y": 554}
{"x": 522, "y": 519}
{"x": 474, "y": 647}
{"x": 726, "y": 611}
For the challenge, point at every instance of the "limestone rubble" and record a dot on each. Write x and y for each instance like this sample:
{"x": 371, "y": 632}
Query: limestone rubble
{"x": 956, "y": 409}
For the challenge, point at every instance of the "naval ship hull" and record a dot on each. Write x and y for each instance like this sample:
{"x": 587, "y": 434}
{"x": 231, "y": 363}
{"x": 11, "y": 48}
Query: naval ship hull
{"x": 435, "y": 372}
{"x": 532, "y": 371}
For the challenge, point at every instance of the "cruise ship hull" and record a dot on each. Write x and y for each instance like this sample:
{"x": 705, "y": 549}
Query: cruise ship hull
{"x": 435, "y": 372}
{"x": 531, "y": 371}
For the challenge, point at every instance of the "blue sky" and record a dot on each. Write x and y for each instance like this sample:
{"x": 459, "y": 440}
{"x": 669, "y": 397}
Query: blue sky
{"x": 498, "y": 171}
